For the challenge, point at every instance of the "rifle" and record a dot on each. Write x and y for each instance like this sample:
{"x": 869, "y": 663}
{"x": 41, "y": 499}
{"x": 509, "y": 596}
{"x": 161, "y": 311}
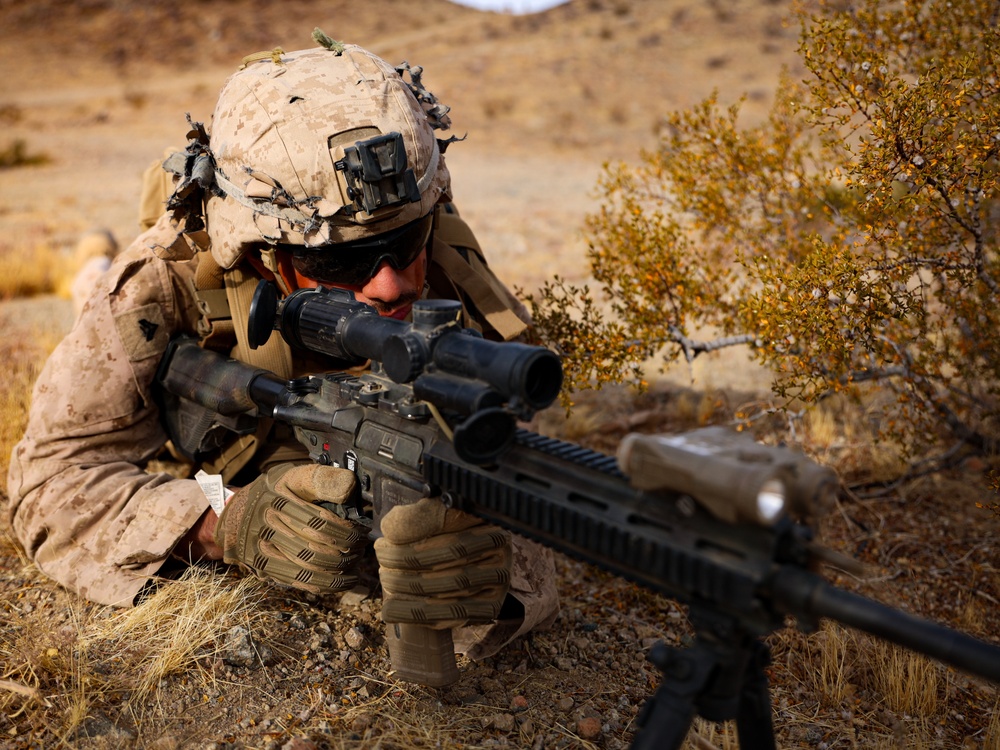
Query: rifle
{"x": 709, "y": 518}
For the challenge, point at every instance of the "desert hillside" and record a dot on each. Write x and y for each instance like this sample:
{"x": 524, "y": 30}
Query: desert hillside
{"x": 100, "y": 88}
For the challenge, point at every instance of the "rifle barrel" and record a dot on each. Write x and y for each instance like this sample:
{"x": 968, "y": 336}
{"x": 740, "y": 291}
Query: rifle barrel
{"x": 798, "y": 591}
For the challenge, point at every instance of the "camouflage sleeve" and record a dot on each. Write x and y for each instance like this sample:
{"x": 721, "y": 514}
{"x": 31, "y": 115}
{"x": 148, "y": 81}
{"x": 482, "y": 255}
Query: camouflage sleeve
{"x": 80, "y": 502}
{"x": 533, "y": 586}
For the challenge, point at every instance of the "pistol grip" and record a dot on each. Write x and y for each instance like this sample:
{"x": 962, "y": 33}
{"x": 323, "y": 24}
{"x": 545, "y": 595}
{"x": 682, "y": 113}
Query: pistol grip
{"x": 422, "y": 655}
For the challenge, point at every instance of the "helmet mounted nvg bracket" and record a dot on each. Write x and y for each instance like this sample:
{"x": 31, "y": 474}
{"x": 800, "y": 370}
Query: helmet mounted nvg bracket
{"x": 377, "y": 174}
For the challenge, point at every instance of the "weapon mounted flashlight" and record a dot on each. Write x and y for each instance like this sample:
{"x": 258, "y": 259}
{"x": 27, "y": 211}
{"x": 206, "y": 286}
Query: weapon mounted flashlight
{"x": 729, "y": 474}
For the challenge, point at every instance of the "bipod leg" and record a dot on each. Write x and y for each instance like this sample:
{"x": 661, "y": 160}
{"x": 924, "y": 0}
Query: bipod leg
{"x": 719, "y": 680}
{"x": 665, "y": 719}
{"x": 754, "y": 725}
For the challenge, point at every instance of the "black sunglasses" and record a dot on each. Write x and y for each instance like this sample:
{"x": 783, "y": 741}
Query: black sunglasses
{"x": 354, "y": 263}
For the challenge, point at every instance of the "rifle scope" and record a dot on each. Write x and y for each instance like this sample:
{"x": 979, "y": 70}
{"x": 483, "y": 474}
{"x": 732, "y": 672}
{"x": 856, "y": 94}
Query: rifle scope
{"x": 334, "y": 323}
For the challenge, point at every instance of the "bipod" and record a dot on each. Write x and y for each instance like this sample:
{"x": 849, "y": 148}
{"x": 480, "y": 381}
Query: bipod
{"x": 717, "y": 678}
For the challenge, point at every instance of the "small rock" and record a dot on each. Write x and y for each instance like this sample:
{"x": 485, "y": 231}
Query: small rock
{"x": 361, "y": 722}
{"x": 814, "y": 734}
{"x": 239, "y": 649}
{"x": 354, "y": 638}
{"x": 300, "y": 743}
{"x": 518, "y": 703}
{"x": 354, "y": 597}
{"x": 101, "y": 727}
{"x": 563, "y": 663}
{"x": 500, "y": 722}
{"x": 564, "y": 704}
{"x": 166, "y": 742}
{"x": 588, "y": 728}
{"x": 298, "y": 622}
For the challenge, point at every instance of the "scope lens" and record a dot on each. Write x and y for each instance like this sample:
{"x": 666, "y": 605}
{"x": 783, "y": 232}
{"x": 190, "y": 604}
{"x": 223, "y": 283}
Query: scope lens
{"x": 770, "y": 501}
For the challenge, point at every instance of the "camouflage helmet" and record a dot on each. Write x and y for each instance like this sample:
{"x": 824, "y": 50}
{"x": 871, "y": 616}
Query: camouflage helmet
{"x": 319, "y": 147}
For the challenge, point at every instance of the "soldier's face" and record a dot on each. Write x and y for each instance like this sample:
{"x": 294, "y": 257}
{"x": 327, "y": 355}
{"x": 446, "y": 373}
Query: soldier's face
{"x": 391, "y": 291}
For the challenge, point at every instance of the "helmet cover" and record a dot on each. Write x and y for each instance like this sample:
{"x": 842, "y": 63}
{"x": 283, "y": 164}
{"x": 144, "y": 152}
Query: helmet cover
{"x": 319, "y": 147}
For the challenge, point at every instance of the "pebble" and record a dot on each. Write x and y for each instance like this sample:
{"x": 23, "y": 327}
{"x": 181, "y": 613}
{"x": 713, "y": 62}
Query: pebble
{"x": 500, "y": 722}
{"x": 564, "y": 704}
{"x": 354, "y": 638}
{"x": 240, "y": 649}
{"x": 588, "y": 728}
{"x": 518, "y": 703}
{"x": 354, "y": 597}
{"x": 298, "y": 622}
{"x": 361, "y": 722}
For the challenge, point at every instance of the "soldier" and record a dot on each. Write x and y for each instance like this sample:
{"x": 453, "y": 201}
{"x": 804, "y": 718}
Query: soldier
{"x": 322, "y": 166}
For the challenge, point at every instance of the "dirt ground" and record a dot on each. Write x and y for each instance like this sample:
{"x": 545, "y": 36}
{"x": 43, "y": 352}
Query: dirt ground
{"x": 100, "y": 87}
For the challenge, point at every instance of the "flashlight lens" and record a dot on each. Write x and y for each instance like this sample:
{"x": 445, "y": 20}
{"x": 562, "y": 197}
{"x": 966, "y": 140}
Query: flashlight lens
{"x": 770, "y": 501}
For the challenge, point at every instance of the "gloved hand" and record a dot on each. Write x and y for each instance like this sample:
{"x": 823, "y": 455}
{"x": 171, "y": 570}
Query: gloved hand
{"x": 275, "y": 528}
{"x": 441, "y": 567}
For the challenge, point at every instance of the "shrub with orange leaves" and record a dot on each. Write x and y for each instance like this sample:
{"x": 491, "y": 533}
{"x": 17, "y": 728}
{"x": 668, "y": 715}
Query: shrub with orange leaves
{"x": 850, "y": 241}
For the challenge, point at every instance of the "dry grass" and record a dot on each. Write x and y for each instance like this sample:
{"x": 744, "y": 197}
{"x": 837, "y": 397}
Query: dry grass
{"x": 99, "y": 659}
{"x": 175, "y": 630}
{"x": 39, "y": 270}
{"x": 909, "y": 682}
{"x": 22, "y": 358}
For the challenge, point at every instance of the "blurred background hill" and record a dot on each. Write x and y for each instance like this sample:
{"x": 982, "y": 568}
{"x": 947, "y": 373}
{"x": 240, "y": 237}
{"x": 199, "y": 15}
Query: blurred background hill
{"x": 98, "y": 88}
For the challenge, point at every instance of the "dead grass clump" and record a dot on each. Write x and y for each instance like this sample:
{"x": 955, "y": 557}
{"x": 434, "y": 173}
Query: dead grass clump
{"x": 91, "y": 662}
{"x": 909, "y": 682}
{"x": 175, "y": 629}
{"x": 37, "y": 271}
{"x": 16, "y": 154}
{"x": 10, "y": 114}
{"x": 42, "y": 674}
{"x": 842, "y": 432}
{"x": 837, "y": 655}
{"x": 21, "y": 361}
{"x": 992, "y": 738}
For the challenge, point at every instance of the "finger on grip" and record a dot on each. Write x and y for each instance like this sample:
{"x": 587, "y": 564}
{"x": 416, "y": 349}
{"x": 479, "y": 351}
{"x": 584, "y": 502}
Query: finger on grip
{"x": 316, "y": 483}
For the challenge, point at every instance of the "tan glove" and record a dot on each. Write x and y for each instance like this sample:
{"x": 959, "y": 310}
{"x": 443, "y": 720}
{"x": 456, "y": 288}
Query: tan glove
{"x": 441, "y": 567}
{"x": 275, "y": 528}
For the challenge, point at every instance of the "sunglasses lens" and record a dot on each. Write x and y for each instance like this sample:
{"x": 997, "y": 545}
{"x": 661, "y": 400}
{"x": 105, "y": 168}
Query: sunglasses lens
{"x": 354, "y": 263}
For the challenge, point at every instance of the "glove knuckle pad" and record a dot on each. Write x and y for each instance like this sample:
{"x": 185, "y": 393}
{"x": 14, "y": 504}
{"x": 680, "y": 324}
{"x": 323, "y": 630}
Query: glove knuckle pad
{"x": 280, "y": 536}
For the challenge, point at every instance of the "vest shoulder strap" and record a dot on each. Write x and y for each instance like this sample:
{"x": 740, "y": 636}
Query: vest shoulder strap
{"x": 458, "y": 265}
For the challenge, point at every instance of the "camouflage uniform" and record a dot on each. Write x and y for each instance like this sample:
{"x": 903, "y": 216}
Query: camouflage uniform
{"x": 86, "y": 500}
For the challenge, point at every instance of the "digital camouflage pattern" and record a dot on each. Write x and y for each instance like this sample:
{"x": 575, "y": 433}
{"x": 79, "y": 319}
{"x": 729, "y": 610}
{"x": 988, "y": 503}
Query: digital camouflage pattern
{"x": 84, "y": 499}
{"x": 87, "y": 500}
{"x": 81, "y": 503}
{"x": 297, "y": 112}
